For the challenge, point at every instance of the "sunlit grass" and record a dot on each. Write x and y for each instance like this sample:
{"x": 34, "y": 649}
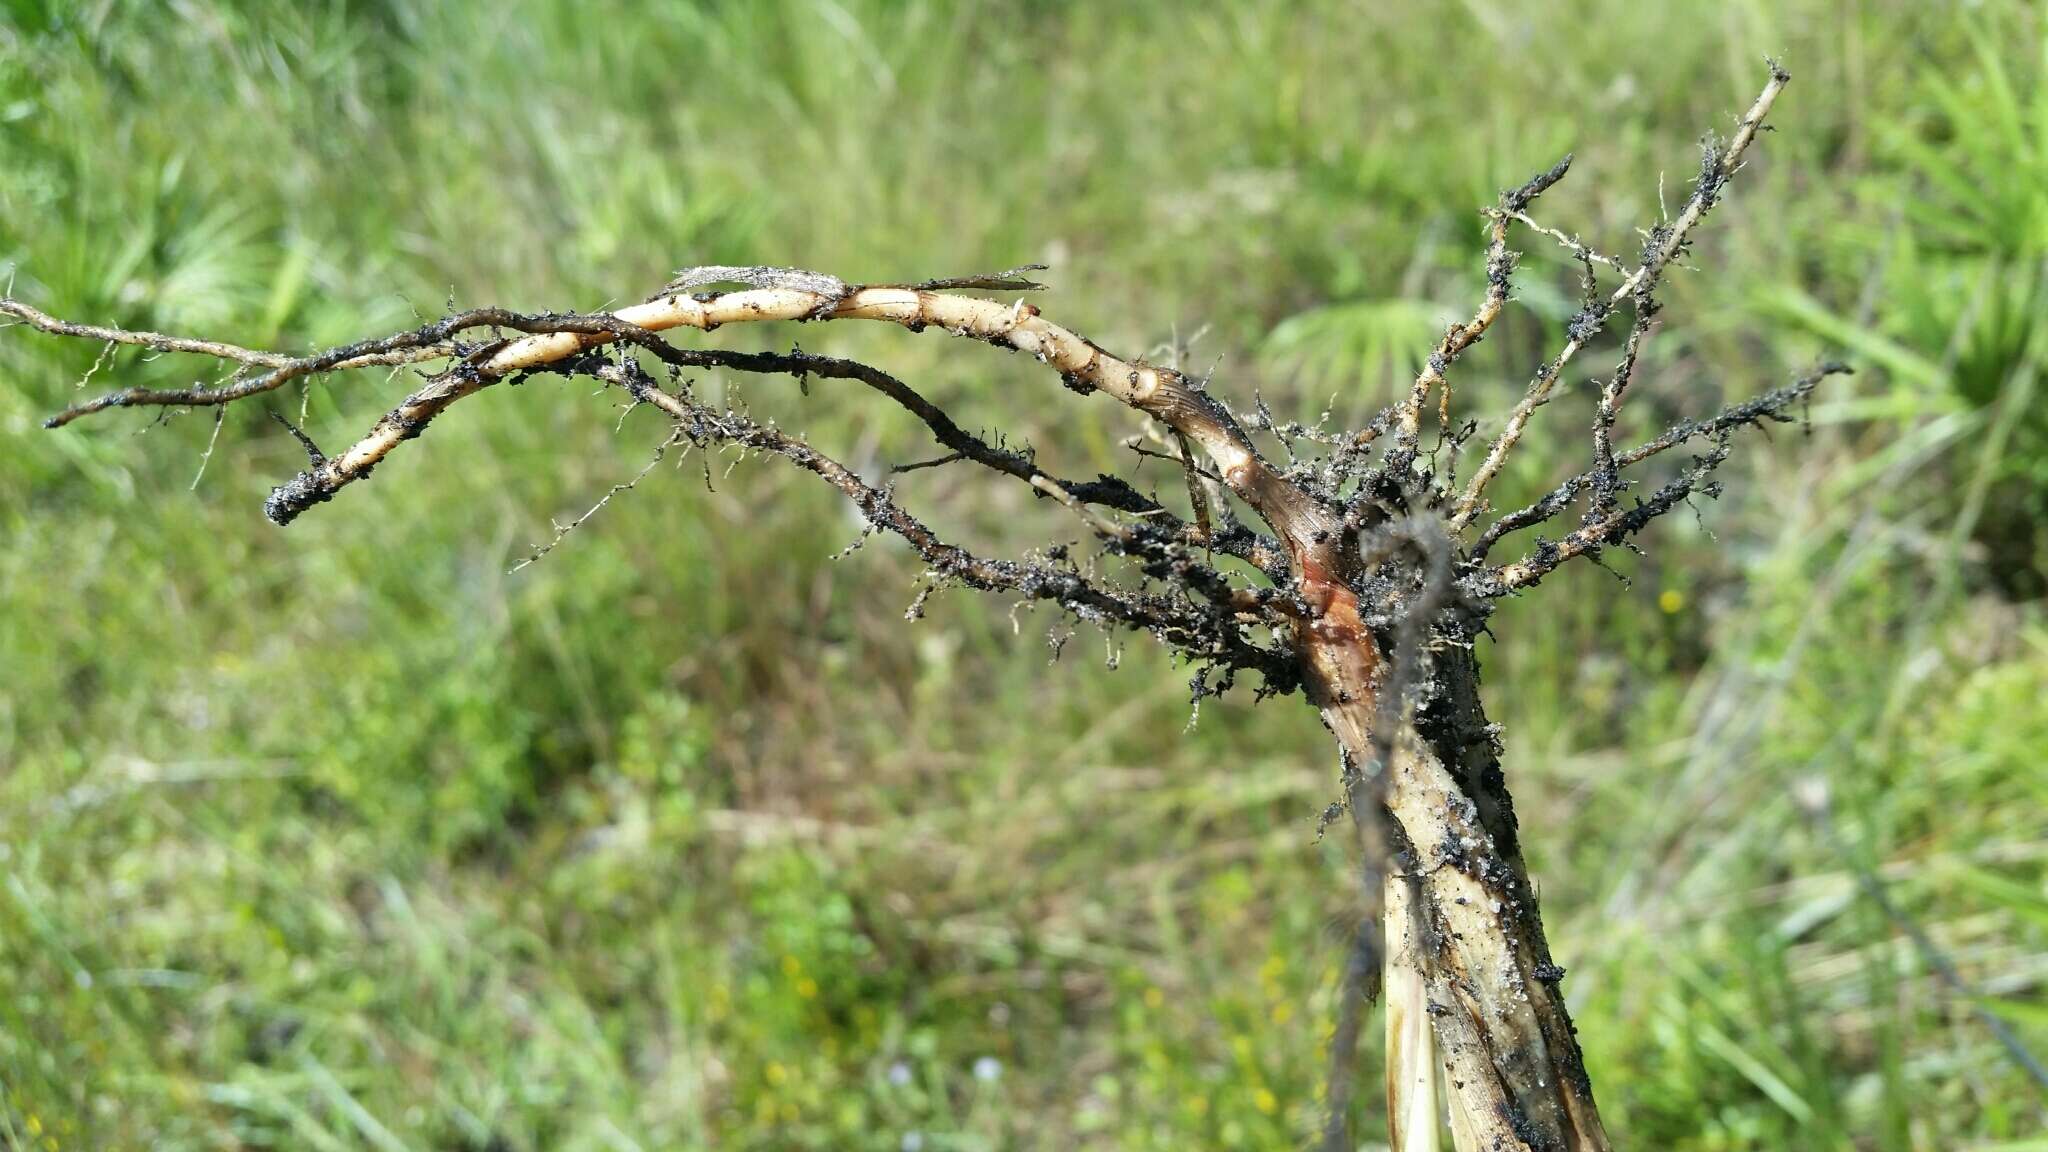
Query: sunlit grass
{"x": 344, "y": 837}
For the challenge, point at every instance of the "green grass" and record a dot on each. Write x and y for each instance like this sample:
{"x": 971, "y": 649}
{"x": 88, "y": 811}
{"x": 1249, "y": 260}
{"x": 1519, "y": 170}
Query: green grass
{"x": 342, "y": 837}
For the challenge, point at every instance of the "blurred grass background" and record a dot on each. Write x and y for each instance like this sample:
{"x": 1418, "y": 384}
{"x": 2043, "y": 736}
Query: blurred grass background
{"x": 342, "y": 837}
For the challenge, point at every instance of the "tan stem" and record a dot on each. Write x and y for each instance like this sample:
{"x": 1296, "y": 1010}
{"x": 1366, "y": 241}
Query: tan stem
{"x": 1018, "y": 326}
{"x": 1159, "y": 392}
{"x": 1504, "y": 1035}
{"x": 1465, "y": 1133}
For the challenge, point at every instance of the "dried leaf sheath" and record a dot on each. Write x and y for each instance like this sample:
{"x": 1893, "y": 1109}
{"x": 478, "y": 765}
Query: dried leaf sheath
{"x": 1411, "y": 1036}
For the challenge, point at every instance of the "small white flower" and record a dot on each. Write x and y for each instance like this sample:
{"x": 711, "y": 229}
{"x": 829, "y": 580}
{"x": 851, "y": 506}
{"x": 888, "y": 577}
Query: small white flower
{"x": 988, "y": 1069}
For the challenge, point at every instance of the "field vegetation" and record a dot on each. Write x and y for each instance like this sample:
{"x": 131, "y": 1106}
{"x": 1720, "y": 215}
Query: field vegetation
{"x": 348, "y": 836}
